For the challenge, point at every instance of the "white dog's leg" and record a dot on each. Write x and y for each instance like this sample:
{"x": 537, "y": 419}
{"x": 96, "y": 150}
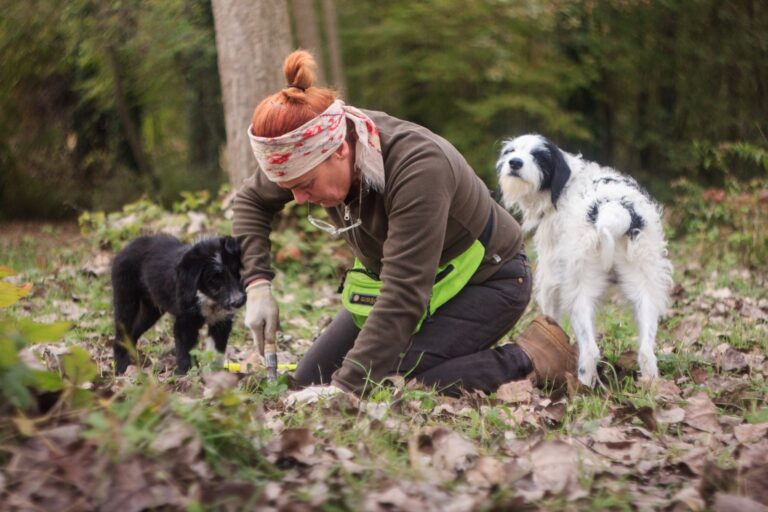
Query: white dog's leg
{"x": 582, "y": 322}
{"x": 547, "y": 284}
{"x": 646, "y": 285}
{"x": 647, "y": 322}
{"x": 548, "y": 297}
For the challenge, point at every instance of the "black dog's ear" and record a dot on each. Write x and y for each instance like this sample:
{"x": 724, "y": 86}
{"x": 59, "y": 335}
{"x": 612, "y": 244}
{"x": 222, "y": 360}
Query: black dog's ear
{"x": 230, "y": 245}
{"x": 187, "y": 276}
{"x": 560, "y": 172}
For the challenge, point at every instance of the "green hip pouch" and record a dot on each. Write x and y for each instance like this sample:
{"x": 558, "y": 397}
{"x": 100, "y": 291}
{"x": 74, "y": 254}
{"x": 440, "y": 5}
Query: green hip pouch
{"x": 361, "y": 287}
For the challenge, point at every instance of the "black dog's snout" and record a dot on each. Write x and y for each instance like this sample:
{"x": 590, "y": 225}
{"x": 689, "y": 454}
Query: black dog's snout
{"x": 236, "y": 301}
{"x": 515, "y": 163}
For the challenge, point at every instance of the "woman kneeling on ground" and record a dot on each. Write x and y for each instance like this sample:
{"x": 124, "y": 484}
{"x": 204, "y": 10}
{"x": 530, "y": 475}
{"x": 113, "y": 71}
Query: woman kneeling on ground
{"x": 440, "y": 273}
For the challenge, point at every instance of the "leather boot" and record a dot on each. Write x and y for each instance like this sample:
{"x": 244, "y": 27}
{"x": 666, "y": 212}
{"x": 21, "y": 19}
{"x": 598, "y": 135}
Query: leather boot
{"x": 550, "y": 351}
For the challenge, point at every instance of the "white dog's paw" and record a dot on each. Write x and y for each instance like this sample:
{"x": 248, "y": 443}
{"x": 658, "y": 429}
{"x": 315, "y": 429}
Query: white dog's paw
{"x": 646, "y": 359}
{"x": 588, "y": 369}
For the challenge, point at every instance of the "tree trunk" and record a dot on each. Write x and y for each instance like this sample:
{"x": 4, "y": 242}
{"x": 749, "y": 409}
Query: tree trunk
{"x": 334, "y": 47}
{"x": 308, "y": 32}
{"x": 252, "y": 40}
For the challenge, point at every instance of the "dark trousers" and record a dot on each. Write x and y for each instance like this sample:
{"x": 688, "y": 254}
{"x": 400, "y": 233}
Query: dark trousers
{"x": 453, "y": 349}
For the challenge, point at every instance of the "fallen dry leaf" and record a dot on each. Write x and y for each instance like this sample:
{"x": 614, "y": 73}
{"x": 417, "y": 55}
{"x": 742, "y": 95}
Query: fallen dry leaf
{"x": 132, "y": 492}
{"x": 555, "y": 471}
{"x": 752, "y": 455}
{"x": 293, "y": 445}
{"x": 451, "y": 451}
{"x": 753, "y": 483}
{"x": 68, "y": 310}
{"x": 216, "y": 382}
{"x": 701, "y": 413}
{"x": 515, "y": 392}
{"x": 626, "y": 452}
{"x": 750, "y": 433}
{"x": 609, "y": 435}
{"x": 172, "y": 436}
{"x": 554, "y": 412}
{"x": 734, "y": 503}
{"x": 666, "y": 389}
{"x": 699, "y": 375}
{"x": 729, "y": 359}
{"x": 755, "y": 360}
{"x": 64, "y": 435}
{"x": 486, "y": 472}
{"x": 689, "y": 329}
{"x": 393, "y": 498}
{"x": 441, "y": 450}
{"x": 98, "y": 265}
{"x": 670, "y": 416}
{"x": 230, "y": 493}
{"x": 690, "y": 497}
{"x": 693, "y": 458}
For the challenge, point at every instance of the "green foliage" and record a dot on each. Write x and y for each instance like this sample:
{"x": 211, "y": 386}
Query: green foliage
{"x": 109, "y": 101}
{"x": 10, "y": 293}
{"x": 191, "y": 201}
{"x": 731, "y": 222}
{"x": 727, "y": 158}
{"x": 78, "y": 367}
{"x": 16, "y": 378}
{"x": 637, "y": 85}
{"x": 85, "y": 77}
{"x": 473, "y": 77}
{"x": 116, "y": 228}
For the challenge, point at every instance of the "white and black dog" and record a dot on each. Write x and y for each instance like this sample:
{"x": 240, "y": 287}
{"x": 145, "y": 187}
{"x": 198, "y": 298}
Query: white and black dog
{"x": 593, "y": 226}
{"x": 198, "y": 284}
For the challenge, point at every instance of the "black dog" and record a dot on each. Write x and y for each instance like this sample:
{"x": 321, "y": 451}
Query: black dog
{"x": 197, "y": 284}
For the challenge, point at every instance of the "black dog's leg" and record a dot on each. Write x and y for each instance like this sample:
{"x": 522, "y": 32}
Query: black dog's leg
{"x": 147, "y": 317}
{"x": 126, "y": 300}
{"x": 185, "y": 335}
{"x": 220, "y": 334}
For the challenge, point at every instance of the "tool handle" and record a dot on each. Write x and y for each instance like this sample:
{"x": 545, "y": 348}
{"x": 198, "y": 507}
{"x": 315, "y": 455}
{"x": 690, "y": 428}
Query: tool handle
{"x": 270, "y": 358}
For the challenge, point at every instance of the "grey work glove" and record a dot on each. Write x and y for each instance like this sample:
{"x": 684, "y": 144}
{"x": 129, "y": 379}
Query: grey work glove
{"x": 311, "y": 395}
{"x": 262, "y": 314}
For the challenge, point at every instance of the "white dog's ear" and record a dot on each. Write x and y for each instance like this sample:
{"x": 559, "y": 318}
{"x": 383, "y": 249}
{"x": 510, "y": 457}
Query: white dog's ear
{"x": 560, "y": 172}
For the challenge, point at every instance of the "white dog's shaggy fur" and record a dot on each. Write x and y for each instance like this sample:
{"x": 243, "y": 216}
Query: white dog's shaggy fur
{"x": 593, "y": 226}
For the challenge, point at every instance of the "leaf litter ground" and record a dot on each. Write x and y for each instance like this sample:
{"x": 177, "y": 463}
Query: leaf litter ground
{"x": 695, "y": 439}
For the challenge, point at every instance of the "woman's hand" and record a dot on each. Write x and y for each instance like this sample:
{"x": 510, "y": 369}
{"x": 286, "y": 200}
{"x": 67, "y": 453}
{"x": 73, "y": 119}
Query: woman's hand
{"x": 261, "y": 313}
{"x": 311, "y": 395}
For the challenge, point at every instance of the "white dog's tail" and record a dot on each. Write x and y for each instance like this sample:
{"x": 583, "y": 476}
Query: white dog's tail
{"x": 612, "y": 221}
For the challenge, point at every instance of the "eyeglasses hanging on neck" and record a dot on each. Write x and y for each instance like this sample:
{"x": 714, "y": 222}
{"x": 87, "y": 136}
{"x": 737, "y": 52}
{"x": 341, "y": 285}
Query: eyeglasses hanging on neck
{"x": 335, "y": 231}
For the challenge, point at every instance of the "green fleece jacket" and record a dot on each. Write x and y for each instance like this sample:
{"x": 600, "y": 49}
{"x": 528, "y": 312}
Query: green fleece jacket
{"x": 433, "y": 208}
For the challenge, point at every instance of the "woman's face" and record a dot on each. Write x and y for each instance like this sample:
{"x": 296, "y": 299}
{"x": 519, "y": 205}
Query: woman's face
{"x": 328, "y": 183}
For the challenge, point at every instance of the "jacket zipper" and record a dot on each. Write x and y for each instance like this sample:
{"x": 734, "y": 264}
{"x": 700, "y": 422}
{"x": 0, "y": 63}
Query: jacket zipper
{"x": 347, "y": 217}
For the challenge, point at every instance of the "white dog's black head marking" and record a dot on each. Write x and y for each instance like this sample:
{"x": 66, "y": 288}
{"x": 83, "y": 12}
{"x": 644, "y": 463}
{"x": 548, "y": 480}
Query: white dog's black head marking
{"x": 537, "y": 162}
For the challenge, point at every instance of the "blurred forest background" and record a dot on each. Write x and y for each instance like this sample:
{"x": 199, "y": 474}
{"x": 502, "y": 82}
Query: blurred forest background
{"x": 103, "y": 101}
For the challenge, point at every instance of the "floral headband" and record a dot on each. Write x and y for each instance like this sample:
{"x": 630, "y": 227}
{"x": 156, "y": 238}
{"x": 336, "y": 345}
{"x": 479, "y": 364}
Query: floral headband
{"x": 295, "y": 153}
